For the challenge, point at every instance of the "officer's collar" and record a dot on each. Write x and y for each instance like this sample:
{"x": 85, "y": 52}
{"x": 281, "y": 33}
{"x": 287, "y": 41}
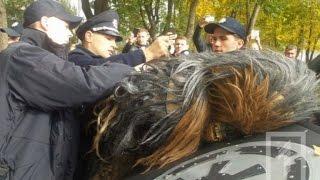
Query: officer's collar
{"x": 34, "y": 37}
{"x": 38, "y": 38}
{"x": 86, "y": 51}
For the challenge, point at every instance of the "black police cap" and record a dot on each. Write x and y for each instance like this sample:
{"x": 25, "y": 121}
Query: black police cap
{"x": 229, "y": 24}
{"x": 105, "y": 22}
{"x": 36, "y": 10}
{"x": 14, "y": 31}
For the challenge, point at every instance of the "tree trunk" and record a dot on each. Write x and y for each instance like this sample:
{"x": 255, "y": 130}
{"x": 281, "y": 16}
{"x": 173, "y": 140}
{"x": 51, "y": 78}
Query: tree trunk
{"x": 311, "y": 30}
{"x": 151, "y": 11}
{"x": 100, "y": 6}
{"x": 314, "y": 46}
{"x": 233, "y": 13}
{"x": 236, "y": 11}
{"x": 253, "y": 19}
{"x": 192, "y": 18}
{"x": 86, "y": 8}
{"x": 275, "y": 40}
{"x": 309, "y": 44}
{"x": 142, "y": 14}
{"x": 247, "y": 13}
{"x": 148, "y": 10}
{"x": 169, "y": 15}
{"x": 301, "y": 40}
{"x": 3, "y": 23}
{"x": 175, "y": 10}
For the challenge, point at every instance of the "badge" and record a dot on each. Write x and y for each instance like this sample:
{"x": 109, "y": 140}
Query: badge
{"x": 15, "y": 24}
{"x": 222, "y": 20}
{"x": 115, "y": 23}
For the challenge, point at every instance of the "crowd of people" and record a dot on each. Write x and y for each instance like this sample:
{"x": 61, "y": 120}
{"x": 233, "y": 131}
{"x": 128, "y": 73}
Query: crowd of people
{"x": 45, "y": 89}
{"x": 216, "y": 38}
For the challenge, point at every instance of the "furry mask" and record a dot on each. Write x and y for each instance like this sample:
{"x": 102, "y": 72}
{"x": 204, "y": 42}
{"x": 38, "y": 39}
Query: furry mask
{"x": 164, "y": 112}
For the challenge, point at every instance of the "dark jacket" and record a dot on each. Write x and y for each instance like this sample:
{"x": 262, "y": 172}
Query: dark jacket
{"x": 201, "y": 45}
{"x": 182, "y": 53}
{"x": 131, "y": 47}
{"x": 83, "y": 57}
{"x": 38, "y": 134}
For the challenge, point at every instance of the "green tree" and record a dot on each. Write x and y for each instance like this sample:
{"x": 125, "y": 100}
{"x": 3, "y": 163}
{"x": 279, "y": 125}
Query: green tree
{"x": 280, "y": 22}
{"x": 191, "y": 18}
{"x": 3, "y": 23}
{"x": 15, "y": 9}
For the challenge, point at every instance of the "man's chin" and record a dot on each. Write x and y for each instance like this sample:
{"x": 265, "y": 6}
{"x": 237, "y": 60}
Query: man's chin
{"x": 61, "y": 42}
{"x": 65, "y": 43}
{"x": 106, "y": 55}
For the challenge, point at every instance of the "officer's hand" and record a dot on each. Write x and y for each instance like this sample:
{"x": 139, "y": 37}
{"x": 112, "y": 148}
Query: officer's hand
{"x": 159, "y": 48}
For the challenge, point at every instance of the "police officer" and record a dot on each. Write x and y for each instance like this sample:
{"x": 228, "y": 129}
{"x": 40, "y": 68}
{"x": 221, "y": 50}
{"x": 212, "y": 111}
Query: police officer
{"x": 14, "y": 32}
{"x": 99, "y": 36}
{"x": 38, "y": 91}
{"x": 227, "y": 35}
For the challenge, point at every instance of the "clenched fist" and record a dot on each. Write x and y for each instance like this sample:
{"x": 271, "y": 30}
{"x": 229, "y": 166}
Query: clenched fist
{"x": 159, "y": 48}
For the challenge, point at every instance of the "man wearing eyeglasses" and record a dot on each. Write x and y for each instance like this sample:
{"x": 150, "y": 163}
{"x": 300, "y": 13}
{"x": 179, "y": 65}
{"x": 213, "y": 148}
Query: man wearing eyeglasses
{"x": 227, "y": 35}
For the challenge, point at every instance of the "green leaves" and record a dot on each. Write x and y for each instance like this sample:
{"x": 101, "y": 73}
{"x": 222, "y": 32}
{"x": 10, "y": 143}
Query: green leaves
{"x": 15, "y": 9}
{"x": 279, "y": 21}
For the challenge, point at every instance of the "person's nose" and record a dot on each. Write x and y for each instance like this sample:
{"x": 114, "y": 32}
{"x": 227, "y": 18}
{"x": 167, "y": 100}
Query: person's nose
{"x": 113, "y": 45}
{"x": 216, "y": 43}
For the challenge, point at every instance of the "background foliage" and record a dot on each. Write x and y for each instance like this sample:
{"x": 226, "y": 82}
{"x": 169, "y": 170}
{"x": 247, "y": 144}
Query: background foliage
{"x": 280, "y": 22}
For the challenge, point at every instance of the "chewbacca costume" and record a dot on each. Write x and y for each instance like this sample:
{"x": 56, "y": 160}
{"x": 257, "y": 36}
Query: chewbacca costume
{"x": 166, "y": 111}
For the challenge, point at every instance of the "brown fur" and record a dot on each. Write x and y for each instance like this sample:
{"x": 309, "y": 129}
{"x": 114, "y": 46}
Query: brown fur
{"x": 185, "y": 138}
{"x": 105, "y": 117}
{"x": 240, "y": 101}
{"x": 246, "y": 104}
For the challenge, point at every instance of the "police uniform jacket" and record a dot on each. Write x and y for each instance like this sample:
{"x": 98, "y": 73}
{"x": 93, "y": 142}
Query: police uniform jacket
{"x": 38, "y": 134}
{"x": 83, "y": 57}
{"x": 131, "y": 47}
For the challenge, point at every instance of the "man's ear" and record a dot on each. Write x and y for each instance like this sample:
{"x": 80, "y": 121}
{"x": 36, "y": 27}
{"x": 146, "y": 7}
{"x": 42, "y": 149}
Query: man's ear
{"x": 240, "y": 43}
{"x": 88, "y": 36}
{"x": 44, "y": 23}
